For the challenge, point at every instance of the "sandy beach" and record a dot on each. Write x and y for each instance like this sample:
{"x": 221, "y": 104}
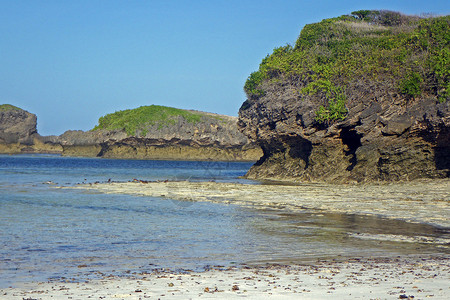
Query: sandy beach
{"x": 400, "y": 277}
{"x": 377, "y": 278}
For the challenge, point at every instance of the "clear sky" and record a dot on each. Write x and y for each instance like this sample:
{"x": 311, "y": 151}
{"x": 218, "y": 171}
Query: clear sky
{"x": 71, "y": 62}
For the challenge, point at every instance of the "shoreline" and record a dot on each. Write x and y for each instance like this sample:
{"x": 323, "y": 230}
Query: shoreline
{"x": 410, "y": 277}
{"x": 107, "y": 157}
{"x": 390, "y": 277}
{"x": 121, "y": 150}
{"x": 424, "y": 201}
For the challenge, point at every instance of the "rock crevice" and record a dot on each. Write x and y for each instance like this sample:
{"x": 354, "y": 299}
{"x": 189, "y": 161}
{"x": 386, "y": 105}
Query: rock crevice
{"x": 382, "y": 139}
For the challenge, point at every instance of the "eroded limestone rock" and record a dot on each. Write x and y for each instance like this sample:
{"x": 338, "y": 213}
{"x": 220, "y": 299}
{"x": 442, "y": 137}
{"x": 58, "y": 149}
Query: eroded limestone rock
{"x": 384, "y": 137}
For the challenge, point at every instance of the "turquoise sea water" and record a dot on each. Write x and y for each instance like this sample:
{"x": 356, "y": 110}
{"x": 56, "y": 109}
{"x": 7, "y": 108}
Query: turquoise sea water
{"x": 51, "y": 233}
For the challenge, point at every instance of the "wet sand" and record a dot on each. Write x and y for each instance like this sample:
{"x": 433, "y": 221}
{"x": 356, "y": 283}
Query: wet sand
{"x": 394, "y": 278}
{"x": 426, "y": 201}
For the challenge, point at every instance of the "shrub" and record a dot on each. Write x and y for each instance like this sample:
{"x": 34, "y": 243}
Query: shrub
{"x": 251, "y": 85}
{"x": 335, "y": 109}
{"x": 411, "y": 85}
{"x": 405, "y": 54}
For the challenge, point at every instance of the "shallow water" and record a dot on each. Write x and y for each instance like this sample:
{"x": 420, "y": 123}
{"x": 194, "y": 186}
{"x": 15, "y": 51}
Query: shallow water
{"x": 49, "y": 232}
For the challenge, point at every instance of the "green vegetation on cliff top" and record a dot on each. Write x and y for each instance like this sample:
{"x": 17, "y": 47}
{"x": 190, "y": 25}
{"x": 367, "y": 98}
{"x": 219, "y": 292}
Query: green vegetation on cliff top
{"x": 6, "y": 107}
{"x": 404, "y": 54}
{"x": 136, "y": 120}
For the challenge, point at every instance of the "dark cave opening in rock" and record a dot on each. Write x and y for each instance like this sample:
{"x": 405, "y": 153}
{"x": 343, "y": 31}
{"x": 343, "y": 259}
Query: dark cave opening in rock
{"x": 442, "y": 151}
{"x": 440, "y": 139}
{"x": 300, "y": 148}
{"x": 442, "y": 159}
{"x": 352, "y": 140}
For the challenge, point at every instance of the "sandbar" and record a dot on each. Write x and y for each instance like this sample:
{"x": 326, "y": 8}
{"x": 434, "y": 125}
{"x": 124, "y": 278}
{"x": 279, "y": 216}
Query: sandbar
{"x": 424, "y": 201}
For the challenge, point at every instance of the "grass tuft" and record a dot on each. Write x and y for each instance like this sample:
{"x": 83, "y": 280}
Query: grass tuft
{"x": 6, "y": 107}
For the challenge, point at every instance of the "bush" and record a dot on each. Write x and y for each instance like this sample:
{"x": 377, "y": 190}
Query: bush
{"x": 335, "y": 109}
{"x": 411, "y": 85}
{"x": 406, "y": 54}
{"x": 251, "y": 85}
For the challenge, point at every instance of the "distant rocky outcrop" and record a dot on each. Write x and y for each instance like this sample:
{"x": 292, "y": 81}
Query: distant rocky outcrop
{"x": 87, "y": 143}
{"x": 16, "y": 125}
{"x": 18, "y": 133}
{"x": 360, "y": 98}
{"x": 162, "y": 133}
{"x": 150, "y": 132}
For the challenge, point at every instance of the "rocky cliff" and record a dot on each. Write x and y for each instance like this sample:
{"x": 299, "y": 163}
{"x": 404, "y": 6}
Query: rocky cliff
{"x": 359, "y": 98}
{"x": 18, "y": 133}
{"x": 160, "y": 132}
{"x": 16, "y": 125}
{"x": 151, "y": 132}
{"x": 87, "y": 143}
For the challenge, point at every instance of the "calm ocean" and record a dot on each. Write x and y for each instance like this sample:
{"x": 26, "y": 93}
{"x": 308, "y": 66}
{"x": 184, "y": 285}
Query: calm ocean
{"x": 51, "y": 233}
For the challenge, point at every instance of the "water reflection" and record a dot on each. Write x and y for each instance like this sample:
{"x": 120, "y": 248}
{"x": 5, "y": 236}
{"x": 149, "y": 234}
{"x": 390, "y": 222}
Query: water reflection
{"x": 321, "y": 234}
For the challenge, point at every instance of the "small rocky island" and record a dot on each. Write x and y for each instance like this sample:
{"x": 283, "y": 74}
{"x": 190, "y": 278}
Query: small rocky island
{"x": 358, "y": 98}
{"x": 147, "y": 132}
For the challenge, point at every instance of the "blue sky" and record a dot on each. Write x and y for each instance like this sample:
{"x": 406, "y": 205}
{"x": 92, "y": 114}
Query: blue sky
{"x": 71, "y": 62}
